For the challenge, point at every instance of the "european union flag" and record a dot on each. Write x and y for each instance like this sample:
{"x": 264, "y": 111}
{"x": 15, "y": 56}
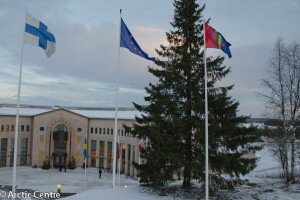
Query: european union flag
{"x": 128, "y": 41}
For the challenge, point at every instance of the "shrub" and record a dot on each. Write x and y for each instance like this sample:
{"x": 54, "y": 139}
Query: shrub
{"x": 46, "y": 164}
{"x": 72, "y": 163}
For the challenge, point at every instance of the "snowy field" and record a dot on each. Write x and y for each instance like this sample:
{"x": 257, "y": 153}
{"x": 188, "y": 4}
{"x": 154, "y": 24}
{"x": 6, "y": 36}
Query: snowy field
{"x": 259, "y": 187}
{"x": 73, "y": 182}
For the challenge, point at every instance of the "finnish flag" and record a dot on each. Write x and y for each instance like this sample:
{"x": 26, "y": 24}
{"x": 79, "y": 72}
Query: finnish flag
{"x": 38, "y": 34}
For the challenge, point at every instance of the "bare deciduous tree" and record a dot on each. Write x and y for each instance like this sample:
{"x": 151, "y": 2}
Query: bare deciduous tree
{"x": 283, "y": 102}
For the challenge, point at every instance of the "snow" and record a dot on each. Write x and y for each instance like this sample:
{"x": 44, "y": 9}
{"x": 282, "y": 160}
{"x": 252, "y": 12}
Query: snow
{"x": 23, "y": 111}
{"x": 254, "y": 124}
{"x": 103, "y": 114}
{"x": 123, "y": 193}
{"x": 259, "y": 187}
{"x": 72, "y": 181}
{"x": 108, "y": 114}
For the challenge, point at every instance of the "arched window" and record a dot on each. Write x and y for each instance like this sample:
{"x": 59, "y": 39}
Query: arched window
{"x": 60, "y": 128}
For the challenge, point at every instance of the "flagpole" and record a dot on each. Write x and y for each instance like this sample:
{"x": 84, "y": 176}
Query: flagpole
{"x": 116, "y": 113}
{"x": 206, "y": 120}
{"x": 18, "y": 115}
{"x": 85, "y": 161}
{"x": 119, "y": 161}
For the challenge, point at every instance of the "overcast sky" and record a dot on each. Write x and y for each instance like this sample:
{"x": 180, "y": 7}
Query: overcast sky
{"x": 82, "y": 72}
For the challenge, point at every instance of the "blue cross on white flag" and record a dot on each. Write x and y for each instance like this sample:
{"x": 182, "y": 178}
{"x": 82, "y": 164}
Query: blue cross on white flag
{"x": 38, "y": 34}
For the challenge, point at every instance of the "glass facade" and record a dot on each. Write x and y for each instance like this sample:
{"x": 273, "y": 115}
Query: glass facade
{"x": 109, "y": 155}
{"x": 123, "y": 158}
{"x": 23, "y": 151}
{"x": 133, "y": 158}
{"x": 93, "y": 153}
{"x": 11, "y": 151}
{"x": 60, "y": 139}
{"x": 129, "y": 157}
{"x": 3, "y": 152}
{"x": 102, "y": 154}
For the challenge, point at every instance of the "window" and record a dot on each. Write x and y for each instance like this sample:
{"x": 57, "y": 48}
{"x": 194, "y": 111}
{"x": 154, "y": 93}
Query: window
{"x": 122, "y": 132}
{"x": 11, "y": 152}
{"x": 2, "y": 128}
{"x": 78, "y": 139}
{"x": 129, "y": 158}
{"x": 93, "y": 152}
{"x": 123, "y": 157}
{"x": 42, "y": 129}
{"x": 109, "y": 155}
{"x": 7, "y": 128}
{"x": 111, "y": 131}
{"x": 104, "y": 130}
{"x": 23, "y": 151}
{"x": 27, "y": 128}
{"x": 96, "y": 130}
{"x": 12, "y": 127}
{"x": 108, "y": 131}
{"x": 92, "y": 129}
{"x": 102, "y": 154}
{"x": 100, "y": 129}
{"x": 3, "y": 151}
{"x": 79, "y": 130}
{"x": 42, "y": 138}
{"x": 22, "y": 128}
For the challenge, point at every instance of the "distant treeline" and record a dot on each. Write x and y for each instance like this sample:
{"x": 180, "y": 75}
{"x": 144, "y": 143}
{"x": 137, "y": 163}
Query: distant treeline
{"x": 267, "y": 121}
{"x": 271, "y": 131}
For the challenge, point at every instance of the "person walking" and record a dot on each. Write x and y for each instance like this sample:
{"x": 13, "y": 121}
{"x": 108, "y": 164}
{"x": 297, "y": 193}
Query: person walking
{"x": 100, "y": 172}
{"x": 60, "y": 167}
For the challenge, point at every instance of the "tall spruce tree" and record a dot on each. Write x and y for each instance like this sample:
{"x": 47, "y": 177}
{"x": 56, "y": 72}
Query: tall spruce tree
{"x": 173, "y": 119}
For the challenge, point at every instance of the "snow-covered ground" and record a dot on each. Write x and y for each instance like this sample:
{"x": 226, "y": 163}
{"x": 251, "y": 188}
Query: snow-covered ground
{"x": 72, "y": 181}
{"x": 261, "y": 184}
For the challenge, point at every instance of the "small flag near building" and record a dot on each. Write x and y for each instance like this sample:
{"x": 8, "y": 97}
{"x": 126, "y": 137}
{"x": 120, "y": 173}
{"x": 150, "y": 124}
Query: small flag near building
{"x": 38, "y": 34}
{"x": 216, "y": 40}
{"x": 127, "y": 41}
{"x": 84, "y": 149}
{"x": 143, "y": 143}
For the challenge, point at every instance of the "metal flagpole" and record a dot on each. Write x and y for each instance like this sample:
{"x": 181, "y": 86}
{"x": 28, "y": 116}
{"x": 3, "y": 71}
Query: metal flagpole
{"x": 206, "y": 121}
{"x": 116, "y": 115}
{"x": 85, "y": 161}
{"x": 119, "y": 161}
{"x": 18, "y": 114}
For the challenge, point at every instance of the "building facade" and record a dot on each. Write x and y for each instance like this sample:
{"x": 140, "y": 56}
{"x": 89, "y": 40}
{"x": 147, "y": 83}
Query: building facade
{"x": 58, "y": 134}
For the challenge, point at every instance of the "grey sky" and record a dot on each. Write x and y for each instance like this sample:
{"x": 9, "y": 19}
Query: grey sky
{"x": 82, "y": 70}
